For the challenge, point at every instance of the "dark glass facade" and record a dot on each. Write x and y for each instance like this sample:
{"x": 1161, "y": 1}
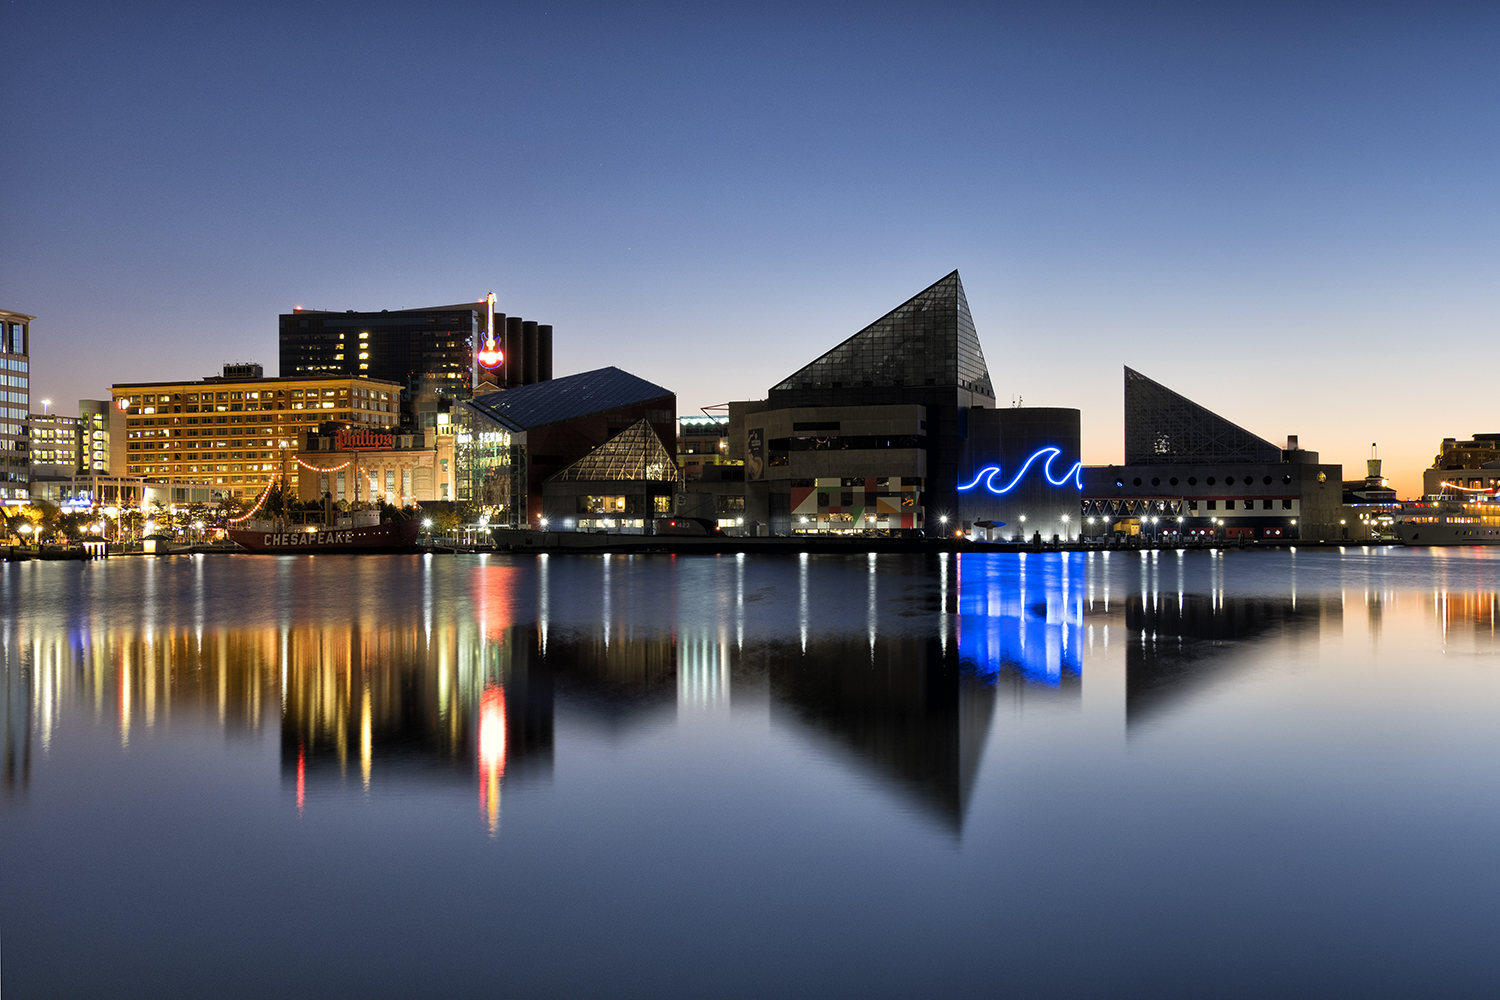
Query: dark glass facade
{"x": 928, "y": 340}
{"x": 408, "y": 346}
{"x": 1165, "y": 428}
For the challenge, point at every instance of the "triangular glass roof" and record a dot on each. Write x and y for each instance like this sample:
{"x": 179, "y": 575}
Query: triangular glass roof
{"x": 927, "y": 340}
{"x": 1165, "y": 428}
{"x": 636, "y": 453}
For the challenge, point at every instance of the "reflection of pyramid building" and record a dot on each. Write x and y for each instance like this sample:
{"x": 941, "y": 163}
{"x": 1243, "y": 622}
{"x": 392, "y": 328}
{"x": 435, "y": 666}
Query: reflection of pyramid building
{"x": 634, "y": 454}
{"x": 1179, "y": 647}
{"x": 1164, "y": 428}
{"x": 902, "y": 707}
{"x": 928, "y": 340}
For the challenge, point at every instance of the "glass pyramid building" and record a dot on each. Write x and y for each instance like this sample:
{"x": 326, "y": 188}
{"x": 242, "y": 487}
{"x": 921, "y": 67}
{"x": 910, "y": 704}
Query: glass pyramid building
{"x": 635, "y": 454}
{"x": 1165, "y": 428}
{"x": 928, "y": 340}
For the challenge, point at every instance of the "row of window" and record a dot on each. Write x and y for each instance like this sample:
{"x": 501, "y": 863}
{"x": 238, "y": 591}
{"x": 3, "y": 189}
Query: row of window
{"x": 1213, "y": 480}
{"x": 147, "y": 470}
{"x": 149, "y": 399}
{"x": 851, "y": 442}
{"x": 1267, "y": 504}
{"x": 636, "y": 504}
{"x": 847, "y": 499}
{"x": 855, "y": 482}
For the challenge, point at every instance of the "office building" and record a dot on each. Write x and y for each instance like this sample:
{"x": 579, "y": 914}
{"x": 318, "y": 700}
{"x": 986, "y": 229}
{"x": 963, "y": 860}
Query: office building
{"x": 440, "y": 349}
{"x": 1191, "y": 473}
{"x": 702, "y": 442}
{"x": 509, "y": 444}
{"x": 55, "y": 444}
{"x": 15, "y": 405}
{"x": 102, "y": 428}
{"x": 238, "y": 432}
{"x": 1462, "y": 466}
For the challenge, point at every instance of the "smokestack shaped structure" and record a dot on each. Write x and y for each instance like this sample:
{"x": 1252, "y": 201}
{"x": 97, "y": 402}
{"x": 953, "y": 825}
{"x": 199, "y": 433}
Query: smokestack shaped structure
{"x": 544, "y": 353}
{"x": 528, "y": 360}
{"x": 514, "y": 362}
{"x": 527, "y": 347}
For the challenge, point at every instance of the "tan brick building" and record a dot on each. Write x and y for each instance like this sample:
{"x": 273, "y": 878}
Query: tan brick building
{"x": 238, "y": 430}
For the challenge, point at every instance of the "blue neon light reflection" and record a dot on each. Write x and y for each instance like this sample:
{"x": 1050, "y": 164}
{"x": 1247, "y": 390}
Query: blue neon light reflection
{"x": 988, "y": 473}
{"x": 1022, "y": 614}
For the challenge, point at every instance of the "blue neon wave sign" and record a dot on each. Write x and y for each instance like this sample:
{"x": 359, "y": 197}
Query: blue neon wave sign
{"x": 988, "y": 473}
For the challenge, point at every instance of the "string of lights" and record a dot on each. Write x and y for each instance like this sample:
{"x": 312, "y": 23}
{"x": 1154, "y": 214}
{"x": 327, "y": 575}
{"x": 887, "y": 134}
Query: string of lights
{"x": 323, "y": 468}
{"x": 262, "y": 499}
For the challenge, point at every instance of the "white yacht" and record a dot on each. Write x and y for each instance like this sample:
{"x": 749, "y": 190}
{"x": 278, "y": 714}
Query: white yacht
{"x": 1456, "y": 516}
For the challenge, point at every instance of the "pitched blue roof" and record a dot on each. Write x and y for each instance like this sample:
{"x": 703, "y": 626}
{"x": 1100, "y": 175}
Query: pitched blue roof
{"x": 540, "y": 403}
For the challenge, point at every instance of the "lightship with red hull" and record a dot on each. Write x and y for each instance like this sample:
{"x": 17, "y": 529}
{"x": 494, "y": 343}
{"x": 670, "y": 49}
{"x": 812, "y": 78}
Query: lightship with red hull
{"x": 396, "y": 536}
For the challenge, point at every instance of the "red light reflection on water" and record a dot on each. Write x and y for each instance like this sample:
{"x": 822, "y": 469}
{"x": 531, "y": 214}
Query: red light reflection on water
{"x": 491, "y": 753}
{"x": 301, "y": 777}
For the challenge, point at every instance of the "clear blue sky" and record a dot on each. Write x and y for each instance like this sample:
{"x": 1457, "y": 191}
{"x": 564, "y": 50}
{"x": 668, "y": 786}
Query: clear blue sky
{"x": 1286, "y": 211}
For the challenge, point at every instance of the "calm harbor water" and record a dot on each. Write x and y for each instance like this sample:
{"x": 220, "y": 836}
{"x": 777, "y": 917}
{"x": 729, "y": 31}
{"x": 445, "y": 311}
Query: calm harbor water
{"x": 1239, "y": 774}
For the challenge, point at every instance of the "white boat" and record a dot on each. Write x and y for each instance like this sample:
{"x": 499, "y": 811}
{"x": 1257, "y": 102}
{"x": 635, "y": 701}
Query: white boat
{"x": 1457, "y": 516}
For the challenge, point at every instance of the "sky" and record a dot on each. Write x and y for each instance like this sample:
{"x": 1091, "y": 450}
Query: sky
{"x": 1285, "y": 211}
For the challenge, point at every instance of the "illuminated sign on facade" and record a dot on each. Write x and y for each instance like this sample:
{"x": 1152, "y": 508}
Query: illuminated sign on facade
{"x": 988, "y": 473}
{"x": 347, "y": 440}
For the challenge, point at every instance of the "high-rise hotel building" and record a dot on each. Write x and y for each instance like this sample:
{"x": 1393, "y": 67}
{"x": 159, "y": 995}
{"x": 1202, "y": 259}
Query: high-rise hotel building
{"x": 238, "y": 430}
{"x": 15, "y": 406}
{"x": 439, "y": 348}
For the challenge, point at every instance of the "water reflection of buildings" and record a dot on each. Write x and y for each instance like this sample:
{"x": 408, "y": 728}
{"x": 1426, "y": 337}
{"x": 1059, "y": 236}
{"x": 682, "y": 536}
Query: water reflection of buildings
{"x": 904, "y": 688}
{"x": 397, "y": 704}
{"x": 1179, "y": 642}
{"x": 1022, "y": 618}
{"x": 903, "y": 708}
{"x": 15, "y": 752}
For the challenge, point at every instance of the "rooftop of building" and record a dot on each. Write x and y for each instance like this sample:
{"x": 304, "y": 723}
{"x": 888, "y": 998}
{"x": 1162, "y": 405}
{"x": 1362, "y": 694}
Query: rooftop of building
{"x": 273, "y": 379}
{"x": 569, "y": 397}
{"x": 456, "y": 307}
{"x": 928, "y": 340}
{"x": 1163, "y": 427}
